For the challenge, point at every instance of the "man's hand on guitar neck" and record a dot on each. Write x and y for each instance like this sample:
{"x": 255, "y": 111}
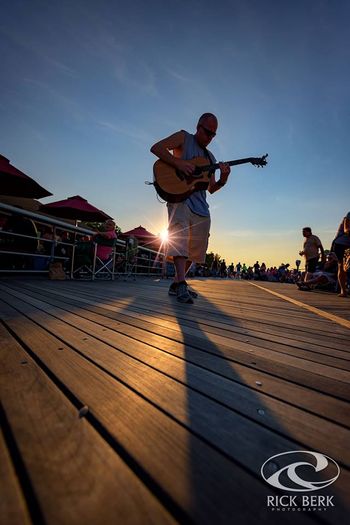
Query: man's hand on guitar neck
{"x": 224, "y": 173}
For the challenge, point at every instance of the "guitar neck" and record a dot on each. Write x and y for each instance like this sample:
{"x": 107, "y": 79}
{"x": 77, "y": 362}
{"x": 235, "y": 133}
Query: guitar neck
{"x": 213, "y": 167}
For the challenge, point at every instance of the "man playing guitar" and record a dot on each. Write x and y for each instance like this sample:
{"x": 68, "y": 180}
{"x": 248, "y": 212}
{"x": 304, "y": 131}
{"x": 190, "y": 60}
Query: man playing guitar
{"x": 189, "y": 220}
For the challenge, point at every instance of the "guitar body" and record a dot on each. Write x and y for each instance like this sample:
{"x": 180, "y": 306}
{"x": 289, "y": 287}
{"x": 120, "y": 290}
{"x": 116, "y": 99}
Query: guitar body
{"x": 174, "y": 186}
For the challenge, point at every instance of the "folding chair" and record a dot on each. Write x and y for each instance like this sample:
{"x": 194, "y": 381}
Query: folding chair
{"x": 104, "y": 268}
{"x": 83, "y": 260}
{"x": 131, "y": 250}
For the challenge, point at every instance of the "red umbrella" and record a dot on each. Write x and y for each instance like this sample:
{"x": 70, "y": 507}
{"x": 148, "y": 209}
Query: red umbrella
{"x": 16, "y": 183}
{"x": 145, "y": 237}
{"x": 75, "y": 208}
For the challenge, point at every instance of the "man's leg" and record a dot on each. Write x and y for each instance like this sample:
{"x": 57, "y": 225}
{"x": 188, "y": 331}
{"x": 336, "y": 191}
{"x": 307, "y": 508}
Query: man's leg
{"x": 321, "y": 279}
{"x": 310, "y": 269}
{"x": 179, "y": 285}
{"x": 342, "y": 279}
{"x": 181, "y": 270}
{"x": 182, "y": 265}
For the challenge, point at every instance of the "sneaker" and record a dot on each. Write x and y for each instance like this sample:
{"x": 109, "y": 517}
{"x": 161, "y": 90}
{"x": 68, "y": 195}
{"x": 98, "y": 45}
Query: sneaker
{"x": 192, "y": 292}
{"x": 183, "y": 295}
{"x": 172, "y": 289}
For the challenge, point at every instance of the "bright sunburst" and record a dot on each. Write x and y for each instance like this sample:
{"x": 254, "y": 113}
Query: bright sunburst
{"x": 164, "y": 235}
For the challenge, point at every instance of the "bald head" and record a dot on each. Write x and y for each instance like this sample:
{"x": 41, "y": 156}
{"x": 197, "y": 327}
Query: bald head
{"x": 206, "y": 129}
{"x": 207, "y": 117}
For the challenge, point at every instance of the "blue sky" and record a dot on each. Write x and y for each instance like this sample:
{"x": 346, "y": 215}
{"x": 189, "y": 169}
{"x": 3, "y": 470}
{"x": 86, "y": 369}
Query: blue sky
{"x": 88, "y": 86}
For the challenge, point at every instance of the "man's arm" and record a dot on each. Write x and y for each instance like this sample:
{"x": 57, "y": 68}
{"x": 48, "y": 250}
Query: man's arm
{"x": 224, "y": 173}
{"x": 173, "y": 143}
{"x": 323, "y": 257}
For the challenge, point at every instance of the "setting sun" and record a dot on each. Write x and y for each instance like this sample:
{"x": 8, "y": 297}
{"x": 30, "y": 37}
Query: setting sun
{"x": 164, "y": 235}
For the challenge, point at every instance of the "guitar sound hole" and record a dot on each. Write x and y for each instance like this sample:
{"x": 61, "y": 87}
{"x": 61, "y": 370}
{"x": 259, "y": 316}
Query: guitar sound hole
{"x": 180, "y": 175}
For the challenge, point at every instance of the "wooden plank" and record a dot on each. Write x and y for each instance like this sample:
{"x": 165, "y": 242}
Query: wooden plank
{"x": 217, "y": 310}
{"x": 325, "y": 378}
{"x": 208, "y": 485}
{"x": 318, "y": 403}
{"x": 309, "y": 350}
{"x": 13, "y": 508}
{"x": 86, "y": 339}
{"x": 232, "y": 324}
{"x": 329, "y": 302}
{"x": 258, "y": 299}
{"x": 335, "y": 337}
{"x": 327, "y": 315}
{"x": 76, "y": 476}
{"x": 308, "y": 430}
{"x": 126, "y": 370}
{"x": 308, "y": 356}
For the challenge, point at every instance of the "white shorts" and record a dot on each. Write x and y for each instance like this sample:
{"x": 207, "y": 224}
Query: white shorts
{"x": 188, "y": 233}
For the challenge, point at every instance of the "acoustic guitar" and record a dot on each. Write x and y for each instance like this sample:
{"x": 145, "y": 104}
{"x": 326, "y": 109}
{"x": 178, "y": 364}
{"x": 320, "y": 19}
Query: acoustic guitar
{"x": 173, "y": 185}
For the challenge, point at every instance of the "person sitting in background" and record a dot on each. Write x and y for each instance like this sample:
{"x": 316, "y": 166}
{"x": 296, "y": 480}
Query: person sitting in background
{"x": 47, "y": 237}
{"x": 339, "y": 245}
{"x": 84, "y": 249}
{"x": 325, "y": 277}
{"x": 104, "y": 249}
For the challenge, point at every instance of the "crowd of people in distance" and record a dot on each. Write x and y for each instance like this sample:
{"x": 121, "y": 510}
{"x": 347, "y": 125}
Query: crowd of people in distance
{"x": 259, "y": 272}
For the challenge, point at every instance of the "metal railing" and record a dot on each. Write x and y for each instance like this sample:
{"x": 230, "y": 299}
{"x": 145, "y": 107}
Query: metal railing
{"x": 24, "y": 250}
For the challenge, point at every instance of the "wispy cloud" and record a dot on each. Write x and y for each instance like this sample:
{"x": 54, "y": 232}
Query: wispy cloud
{"x": 37, "y": 49}
{"x": 65, "y": 103}
{"x": 178, "y": 76}
{"x": 137, "y": 75}
{"x": 120, "y": 58}
{"x": 129, "y": 131}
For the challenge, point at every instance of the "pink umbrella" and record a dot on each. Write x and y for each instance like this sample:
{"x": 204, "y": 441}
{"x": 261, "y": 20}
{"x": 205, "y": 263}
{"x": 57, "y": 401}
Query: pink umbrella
{"x": 75, "y": 208}
{"x": 144, "y": 237}
{"x": 16, "y": 183}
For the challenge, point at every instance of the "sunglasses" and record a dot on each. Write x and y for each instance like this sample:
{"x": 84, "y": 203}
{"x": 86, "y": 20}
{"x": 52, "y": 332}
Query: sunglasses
{"x": 208, "y": 132}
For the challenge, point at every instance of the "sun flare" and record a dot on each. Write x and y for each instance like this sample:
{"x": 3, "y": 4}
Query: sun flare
{"x": 164, "y": 235}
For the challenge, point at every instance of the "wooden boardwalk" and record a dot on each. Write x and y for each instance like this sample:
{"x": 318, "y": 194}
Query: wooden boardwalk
{"x": 119, "y": 405}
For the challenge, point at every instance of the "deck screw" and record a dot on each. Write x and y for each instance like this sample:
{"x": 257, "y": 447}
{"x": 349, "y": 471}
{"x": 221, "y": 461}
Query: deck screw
{"x": 83, "y": 411}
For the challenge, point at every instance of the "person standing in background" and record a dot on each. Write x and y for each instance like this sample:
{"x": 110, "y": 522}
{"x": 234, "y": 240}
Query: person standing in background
{"x": 339, "y": 245}
{"x": 312, "y": 247}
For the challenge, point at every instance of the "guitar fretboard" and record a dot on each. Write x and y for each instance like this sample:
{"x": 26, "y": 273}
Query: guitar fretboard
{"x": 258, "y": 161}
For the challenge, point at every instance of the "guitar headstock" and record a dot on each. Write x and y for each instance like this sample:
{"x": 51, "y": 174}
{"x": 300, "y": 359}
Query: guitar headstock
{"x": 259, "y": 162}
